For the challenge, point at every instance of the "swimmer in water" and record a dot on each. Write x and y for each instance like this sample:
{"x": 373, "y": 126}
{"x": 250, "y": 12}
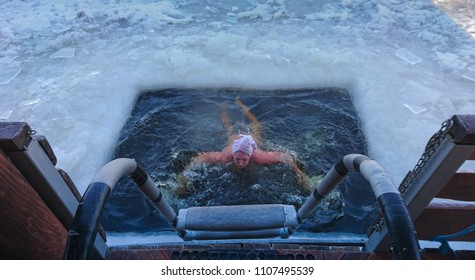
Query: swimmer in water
{"x": 243, "y": 149}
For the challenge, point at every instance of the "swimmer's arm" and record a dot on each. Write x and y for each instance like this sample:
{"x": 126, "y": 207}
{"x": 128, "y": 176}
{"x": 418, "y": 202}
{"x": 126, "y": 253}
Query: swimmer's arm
{"x": 267, "y": 158}
{"x": 224, "y": 156}
{"x": 209, "y": 157}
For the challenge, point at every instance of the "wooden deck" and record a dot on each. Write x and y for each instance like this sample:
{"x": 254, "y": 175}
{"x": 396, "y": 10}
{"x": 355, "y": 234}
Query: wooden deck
{"x": 444, "y": 217}
{"x": 264, "y": 251}
{"x": 29, "y": 230}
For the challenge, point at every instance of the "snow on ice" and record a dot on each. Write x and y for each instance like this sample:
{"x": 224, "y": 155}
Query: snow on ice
{"x": 73, "y": 69}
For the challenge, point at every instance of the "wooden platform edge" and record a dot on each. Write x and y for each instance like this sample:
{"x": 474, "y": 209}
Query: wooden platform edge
{"x": 460, "y": 187}
{"x": 180, "y": 252}
{"x": 445, "y": 218}
{"x": 28, "y": 228}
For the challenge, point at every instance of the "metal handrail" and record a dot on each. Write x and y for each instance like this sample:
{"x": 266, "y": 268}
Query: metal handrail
{"x": 400, "y": 226}
{"x": 86, "y": 221}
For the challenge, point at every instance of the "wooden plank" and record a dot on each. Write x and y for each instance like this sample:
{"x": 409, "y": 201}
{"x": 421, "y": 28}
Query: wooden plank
{"x": 159, "y": 253}
{"x": 14, "y": 135}
{"x": 462, "y": 130}
{"x": 445, "y": 218}
{"x": 460, "y": 187}
{"x": 28, "y": 228}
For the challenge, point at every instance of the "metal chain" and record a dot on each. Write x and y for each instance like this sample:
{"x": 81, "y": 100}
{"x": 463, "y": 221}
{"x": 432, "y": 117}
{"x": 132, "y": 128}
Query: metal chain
{"x": 431, "y": 147}
{"x": 31, "y": 132}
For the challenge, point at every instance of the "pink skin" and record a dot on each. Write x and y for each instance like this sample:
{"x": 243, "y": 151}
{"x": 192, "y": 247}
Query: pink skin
{"x": 241, "y": 159}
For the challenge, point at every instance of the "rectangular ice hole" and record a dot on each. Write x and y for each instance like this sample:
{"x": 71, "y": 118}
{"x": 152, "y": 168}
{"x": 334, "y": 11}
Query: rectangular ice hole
{"x": 318, "y": 125}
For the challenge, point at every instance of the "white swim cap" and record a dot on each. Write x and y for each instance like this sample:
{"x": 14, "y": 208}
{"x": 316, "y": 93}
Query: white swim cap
{"x": 245, "y": 144}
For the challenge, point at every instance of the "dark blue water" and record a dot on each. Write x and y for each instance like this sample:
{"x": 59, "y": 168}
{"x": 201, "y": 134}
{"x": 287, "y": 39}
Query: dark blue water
{"x": 168, "y": 127}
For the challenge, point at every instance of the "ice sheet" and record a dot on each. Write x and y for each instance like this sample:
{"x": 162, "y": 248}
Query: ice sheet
{"x": 469, "y": 76}
{"x": 64, "y": 53}
{"x": 91, "y": 58}
{"x": 8, "y": 74}
{"x": 408, "y": 56}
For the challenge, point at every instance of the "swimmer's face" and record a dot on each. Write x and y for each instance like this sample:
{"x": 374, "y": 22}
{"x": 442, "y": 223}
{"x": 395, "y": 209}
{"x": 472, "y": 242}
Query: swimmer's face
{"x": 241, "y": 159}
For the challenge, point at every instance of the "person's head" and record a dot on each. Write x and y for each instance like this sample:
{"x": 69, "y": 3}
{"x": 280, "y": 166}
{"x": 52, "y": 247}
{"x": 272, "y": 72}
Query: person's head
{"x": 242, "y": 150}
{"x": 241, "y": 159}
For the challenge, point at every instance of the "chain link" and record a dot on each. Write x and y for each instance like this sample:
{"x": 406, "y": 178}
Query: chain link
{"x": 31, "y": 132}
{"x": 431, "y": 147}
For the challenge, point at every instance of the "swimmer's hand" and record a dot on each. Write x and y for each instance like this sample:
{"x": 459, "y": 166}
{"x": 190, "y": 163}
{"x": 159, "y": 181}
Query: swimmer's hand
{"x": 181, "y": 190}
{"x": 280, "y": 157}
{"x": 224, "y": 156}
{"x": 302, "y": 179}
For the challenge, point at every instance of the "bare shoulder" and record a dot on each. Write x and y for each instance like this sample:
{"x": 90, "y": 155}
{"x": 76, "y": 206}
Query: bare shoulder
{"x": 261, "y": 157}
{"x": 225, "y": 156}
